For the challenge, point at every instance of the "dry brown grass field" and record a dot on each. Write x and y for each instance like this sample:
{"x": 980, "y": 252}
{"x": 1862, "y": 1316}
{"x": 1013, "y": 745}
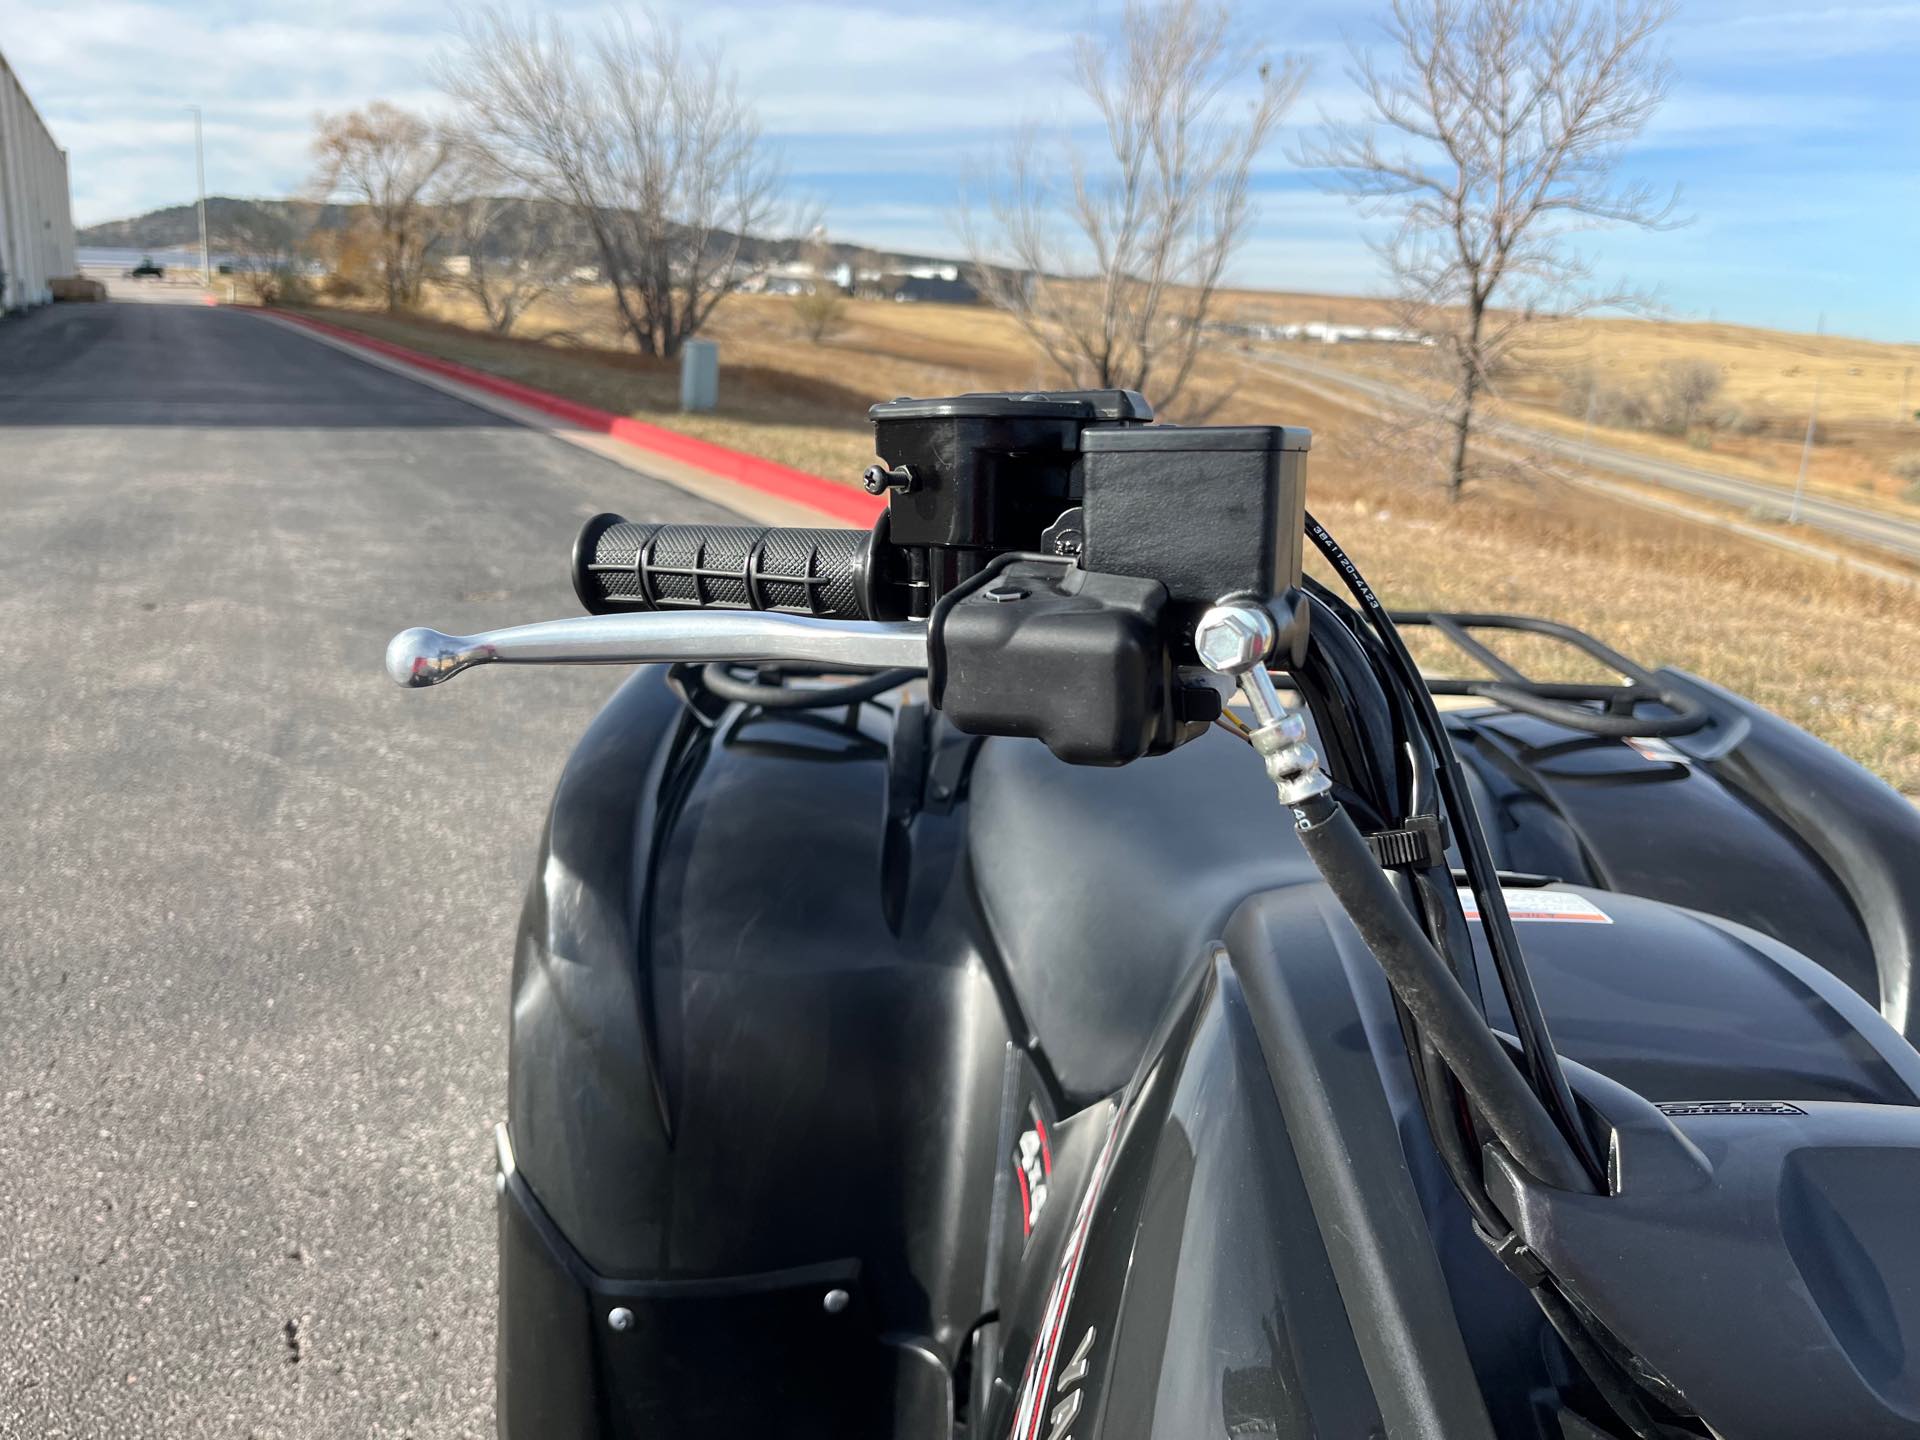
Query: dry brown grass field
{"x": 1828, "y": 650}
{"x": 1869, "y": 392}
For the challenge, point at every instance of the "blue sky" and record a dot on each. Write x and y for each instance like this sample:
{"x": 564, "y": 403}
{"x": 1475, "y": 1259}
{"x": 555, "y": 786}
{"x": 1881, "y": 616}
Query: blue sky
{"x": 1793, "y": 129}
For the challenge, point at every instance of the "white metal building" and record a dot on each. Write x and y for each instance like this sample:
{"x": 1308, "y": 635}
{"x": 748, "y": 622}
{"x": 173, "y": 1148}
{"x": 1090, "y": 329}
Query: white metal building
{"x": 36, "y": 219}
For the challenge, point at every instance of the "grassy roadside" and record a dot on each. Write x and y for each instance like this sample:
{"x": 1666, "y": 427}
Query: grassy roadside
{"x": 1832, "y": 653}
{"x": 1866, "y": 390}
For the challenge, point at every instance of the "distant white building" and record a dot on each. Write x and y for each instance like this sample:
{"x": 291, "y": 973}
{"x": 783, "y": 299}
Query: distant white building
{"x": 788, "y": 277}
{"x": 36, "y": 215}
{"x": 937, "y": 280}
{"x": 1327, "y": 333}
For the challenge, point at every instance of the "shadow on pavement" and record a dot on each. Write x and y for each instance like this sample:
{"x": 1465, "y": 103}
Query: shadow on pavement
{"x": 191, "y": 364}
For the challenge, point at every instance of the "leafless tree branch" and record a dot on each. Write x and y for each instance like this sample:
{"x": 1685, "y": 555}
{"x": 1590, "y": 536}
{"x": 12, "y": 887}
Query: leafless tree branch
{"x": 390, "y": 161}
{"x": 516, "y": 248}
{"x": 648, "y": 143}
{"x": 1111, "y": 263}
{"x": 1495, "y": 135}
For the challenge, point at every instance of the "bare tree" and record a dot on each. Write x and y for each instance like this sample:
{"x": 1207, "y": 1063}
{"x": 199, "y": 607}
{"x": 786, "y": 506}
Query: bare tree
{"x": 516, "y": 249}
{"x": 1123, "y": 298}
{"x": 820, "y": 310}
{"x": 1687, "y": 388}
{"x": 264, "y": 241}
{"x": 1495, "y": 132}
{"x": 510, "y": 263}
{"x": 649, "y": 144}
{"x": 388, "y": 160}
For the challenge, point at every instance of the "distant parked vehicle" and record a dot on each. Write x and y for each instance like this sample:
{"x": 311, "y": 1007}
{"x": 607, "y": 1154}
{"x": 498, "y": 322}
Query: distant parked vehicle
{"x": 147, "y": 268}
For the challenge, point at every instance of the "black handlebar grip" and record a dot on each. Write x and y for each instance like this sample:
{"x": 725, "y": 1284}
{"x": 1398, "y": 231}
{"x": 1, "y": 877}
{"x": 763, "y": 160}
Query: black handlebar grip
{"x": 620, "y": 566}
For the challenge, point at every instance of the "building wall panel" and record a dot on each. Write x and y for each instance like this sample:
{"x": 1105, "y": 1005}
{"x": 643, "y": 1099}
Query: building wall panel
{"x": 36, "y": 216}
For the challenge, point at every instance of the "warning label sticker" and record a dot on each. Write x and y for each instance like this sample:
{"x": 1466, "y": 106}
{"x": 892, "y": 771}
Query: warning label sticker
{"x": 1553, "y": 907}
{"x": 1652, "y": 747}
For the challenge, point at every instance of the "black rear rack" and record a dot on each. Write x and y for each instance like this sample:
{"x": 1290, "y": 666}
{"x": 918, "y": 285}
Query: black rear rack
{"x": 1569, "y": 703}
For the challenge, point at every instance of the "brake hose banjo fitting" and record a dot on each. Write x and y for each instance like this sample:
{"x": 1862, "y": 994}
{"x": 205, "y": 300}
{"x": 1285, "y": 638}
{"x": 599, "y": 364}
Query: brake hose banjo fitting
{"x": 1234, "y": 639}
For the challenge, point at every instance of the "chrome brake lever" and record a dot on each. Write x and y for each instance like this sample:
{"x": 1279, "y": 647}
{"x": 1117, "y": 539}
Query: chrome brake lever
{"x": 421, "y": 657}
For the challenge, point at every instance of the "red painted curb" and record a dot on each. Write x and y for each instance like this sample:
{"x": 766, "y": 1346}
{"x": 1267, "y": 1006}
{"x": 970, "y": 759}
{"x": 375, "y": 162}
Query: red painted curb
{"x": 842, "y": 502}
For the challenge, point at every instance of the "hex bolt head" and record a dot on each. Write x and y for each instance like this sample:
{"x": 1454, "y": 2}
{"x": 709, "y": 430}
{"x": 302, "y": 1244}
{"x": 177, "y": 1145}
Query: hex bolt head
{"x": 834, "y": 1301}
{"x": 1233, "y": 639}
{"x": 620, "y": 1318}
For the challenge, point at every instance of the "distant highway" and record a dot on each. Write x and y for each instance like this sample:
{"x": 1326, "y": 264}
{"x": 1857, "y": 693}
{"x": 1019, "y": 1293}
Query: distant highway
{"x": 1894, "y": 534}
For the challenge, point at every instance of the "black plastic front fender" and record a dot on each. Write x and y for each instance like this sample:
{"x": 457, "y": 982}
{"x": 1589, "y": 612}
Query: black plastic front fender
{"x": 588, "y": 1130}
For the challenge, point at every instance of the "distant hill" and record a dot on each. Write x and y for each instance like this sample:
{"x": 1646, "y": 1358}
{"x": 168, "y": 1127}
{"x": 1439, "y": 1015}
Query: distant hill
{"x": 178, "y": 225}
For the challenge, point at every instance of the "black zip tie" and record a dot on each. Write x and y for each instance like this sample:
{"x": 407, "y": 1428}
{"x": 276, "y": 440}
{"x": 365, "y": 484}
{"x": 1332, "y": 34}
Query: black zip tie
{"x": 1413, "y": 846}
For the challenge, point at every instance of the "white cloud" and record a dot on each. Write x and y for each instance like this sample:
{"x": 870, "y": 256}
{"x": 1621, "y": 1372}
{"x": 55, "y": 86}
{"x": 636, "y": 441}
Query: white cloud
{"x": 1698, "y": 116}
{"x": 1742, "y": 31}
{"x": 114, "y": 78}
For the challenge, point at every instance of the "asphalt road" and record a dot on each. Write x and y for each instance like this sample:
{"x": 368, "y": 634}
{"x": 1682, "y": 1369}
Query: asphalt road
{"x": 256, "y": 920}
{"x": 1857, "y": 523}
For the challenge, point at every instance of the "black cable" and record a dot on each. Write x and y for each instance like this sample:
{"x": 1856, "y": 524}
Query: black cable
{"x": 1618, "y": 1389}
{"x": 1536, "y": 1040}
{"x": 1517, "y": 1117}
{"x": 722, "y": 682}
{"x": 1404, "y": 790}
{"x": 1353, "y": 715}
{"x": 1435, "y": 1086}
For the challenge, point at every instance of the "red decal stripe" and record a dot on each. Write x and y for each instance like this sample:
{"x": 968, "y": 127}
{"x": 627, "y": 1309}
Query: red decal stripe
{"x": 1039, "y": 1374}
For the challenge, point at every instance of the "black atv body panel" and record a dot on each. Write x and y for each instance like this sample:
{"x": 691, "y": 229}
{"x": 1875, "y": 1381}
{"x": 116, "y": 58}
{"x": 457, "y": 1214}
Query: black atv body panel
{"x": 722, "y": 1058}
{"x": 868, "y": 1071}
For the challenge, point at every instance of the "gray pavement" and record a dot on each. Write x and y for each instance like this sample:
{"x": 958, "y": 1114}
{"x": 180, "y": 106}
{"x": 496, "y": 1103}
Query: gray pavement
{"x": 256, "y": 916}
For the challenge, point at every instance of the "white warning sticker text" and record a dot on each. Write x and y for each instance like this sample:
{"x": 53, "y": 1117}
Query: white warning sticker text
{"x": 1557, "y": 907}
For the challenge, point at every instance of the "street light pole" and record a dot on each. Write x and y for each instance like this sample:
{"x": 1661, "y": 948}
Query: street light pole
{"x": 200, "y": 167}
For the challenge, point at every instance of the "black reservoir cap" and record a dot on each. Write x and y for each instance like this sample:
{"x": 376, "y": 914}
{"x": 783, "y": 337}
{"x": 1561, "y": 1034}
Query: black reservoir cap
{"x": 1208, "y": 511}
